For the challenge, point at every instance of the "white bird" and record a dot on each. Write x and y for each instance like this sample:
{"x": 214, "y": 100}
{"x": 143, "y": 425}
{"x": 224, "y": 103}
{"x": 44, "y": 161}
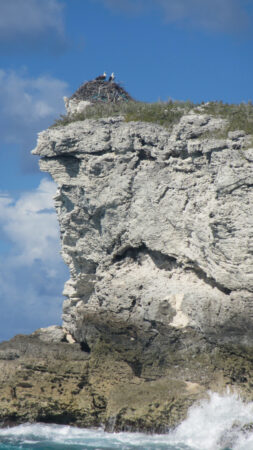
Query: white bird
{"x": 101, "y": 77}
{"x": 112, "y": 77}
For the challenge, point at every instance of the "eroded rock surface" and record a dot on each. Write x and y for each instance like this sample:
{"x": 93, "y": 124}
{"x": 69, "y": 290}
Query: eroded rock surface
{"x": 120, "y": 384}
{"x": 156, "y": 226}
{"x": 56, "y": 382}
{"x": 157, "y": 230}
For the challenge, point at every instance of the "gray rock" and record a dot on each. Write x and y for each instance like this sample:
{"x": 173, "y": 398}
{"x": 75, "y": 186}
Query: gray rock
{"x": 235, "y": 135}
{"x": 9, "y": 355}
{"x": 53, "y": 333}
{"x": 73, "y": 106}
{"x": 156, "y": 226}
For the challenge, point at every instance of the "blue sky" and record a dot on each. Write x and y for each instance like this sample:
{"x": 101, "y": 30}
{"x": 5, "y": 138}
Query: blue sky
{"x": 195, "y": 50}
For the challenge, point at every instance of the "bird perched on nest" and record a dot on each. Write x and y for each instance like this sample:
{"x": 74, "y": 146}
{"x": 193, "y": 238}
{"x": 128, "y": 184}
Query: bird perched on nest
{"x": 112, "y": 77}
{"x": 101, "y": 77}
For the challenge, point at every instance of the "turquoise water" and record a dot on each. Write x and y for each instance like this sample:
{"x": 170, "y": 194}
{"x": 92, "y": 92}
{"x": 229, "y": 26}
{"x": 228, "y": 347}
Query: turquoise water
{"x": 59, "y": 437}
{"x": 214, "y": 424}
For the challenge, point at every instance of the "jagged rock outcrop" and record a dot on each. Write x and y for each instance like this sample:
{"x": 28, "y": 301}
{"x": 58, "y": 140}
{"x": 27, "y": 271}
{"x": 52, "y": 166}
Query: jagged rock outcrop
{"x": 157, "y": 230}
{"x": 156, "y": 226}
{"x": 56, "y": 382}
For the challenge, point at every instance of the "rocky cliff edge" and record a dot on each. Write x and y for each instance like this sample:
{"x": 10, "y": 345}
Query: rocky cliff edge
{"x": 156, "y": 226}
{"x": 157, "y": 230}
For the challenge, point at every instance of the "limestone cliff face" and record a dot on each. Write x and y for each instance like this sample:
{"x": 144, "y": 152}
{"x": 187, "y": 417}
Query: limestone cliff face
{"x": 157, "y": 230}
{"x": 156, "y": 226}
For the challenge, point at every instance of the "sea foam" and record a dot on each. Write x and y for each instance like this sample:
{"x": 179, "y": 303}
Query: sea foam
{"x": 220, "y": 422}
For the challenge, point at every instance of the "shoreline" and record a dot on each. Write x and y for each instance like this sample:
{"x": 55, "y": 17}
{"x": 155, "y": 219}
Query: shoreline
{"x": 57, "y": 382}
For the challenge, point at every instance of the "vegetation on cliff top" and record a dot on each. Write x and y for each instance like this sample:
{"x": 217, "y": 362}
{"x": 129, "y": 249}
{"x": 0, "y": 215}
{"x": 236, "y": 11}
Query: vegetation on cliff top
{"x": 110, "y": 99}
{"x": 238, "y": 116}
{"x": 165, "y": 114}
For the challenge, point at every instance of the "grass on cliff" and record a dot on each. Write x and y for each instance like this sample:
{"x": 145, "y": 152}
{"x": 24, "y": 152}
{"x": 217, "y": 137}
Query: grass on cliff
{"x": 238, "y": 116}
{"x": 162, "y": 113}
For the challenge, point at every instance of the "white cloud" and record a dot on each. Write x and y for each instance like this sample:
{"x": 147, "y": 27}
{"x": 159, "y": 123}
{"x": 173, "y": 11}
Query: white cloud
{"x": 26, "y": 19}
{"x": 211, "y": 15}
{"x": 32, "y": 273}
{"x": 27, "y": 105}
{"x": 30, "y": 224}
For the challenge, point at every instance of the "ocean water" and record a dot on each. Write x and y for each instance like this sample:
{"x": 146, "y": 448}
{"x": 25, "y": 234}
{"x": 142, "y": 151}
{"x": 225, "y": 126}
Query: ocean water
{"x": 220, "y": 423}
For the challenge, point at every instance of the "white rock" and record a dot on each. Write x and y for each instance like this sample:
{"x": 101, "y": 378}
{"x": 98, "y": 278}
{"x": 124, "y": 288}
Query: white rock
{"x": 74, "y": 106}
{"x": 52, "y": 334}
{"x": 157, "y": 226}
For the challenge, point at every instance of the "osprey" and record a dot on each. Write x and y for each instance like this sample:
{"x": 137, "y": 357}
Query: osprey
{"x": 101, "y": 77}
{"x": 112, "y": 77}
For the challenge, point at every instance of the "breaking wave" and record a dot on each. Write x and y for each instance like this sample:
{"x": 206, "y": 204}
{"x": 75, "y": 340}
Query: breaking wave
{"x": 220, "y": 422}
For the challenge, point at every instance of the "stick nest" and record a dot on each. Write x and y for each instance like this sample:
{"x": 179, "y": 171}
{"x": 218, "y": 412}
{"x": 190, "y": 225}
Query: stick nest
{"x": 102, "y": 91}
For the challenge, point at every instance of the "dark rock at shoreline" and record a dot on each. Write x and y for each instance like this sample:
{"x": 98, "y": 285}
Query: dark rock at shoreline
{"x": 120, "y": 384}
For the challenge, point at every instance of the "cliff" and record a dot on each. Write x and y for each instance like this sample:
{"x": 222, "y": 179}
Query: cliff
{"x": 156, "y": 228}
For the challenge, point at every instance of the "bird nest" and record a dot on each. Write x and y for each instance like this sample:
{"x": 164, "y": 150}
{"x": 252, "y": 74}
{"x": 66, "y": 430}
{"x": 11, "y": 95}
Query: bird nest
{"x": 101, "y": 91}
